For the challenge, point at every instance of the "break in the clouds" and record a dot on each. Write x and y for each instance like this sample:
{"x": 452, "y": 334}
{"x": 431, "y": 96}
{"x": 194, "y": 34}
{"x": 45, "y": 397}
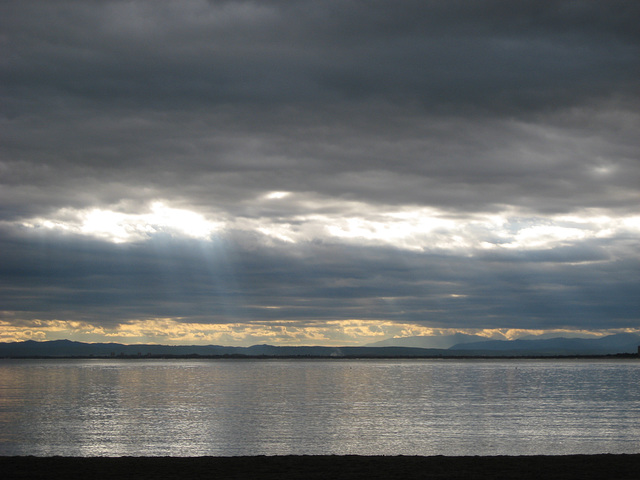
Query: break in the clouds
{"x": 318, "y": 172}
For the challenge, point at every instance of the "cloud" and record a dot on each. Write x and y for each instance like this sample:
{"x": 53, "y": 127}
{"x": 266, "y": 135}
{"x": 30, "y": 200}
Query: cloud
{"x": 274, "y": 52}
{"x": 124, "y": 227}
{"x": 474, "y": 164}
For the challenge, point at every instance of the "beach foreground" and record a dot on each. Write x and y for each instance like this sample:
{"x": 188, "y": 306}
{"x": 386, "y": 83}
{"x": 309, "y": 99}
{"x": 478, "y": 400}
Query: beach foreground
{"x": 323, "y": 467}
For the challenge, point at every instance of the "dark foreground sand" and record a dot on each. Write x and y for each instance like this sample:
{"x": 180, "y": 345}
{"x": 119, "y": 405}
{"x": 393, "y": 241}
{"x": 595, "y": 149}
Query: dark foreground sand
{"x": 614, "y": 467}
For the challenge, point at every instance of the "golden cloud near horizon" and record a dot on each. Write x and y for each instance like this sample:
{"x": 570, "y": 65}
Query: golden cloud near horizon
{"x": 172, "y": 331}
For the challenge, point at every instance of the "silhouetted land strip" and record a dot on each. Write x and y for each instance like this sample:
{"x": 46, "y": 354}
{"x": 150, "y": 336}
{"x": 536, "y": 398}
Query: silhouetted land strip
{"x": 618, "y": 467}
{"x": 609, "y": 345}
{"x": 322, "y": 357}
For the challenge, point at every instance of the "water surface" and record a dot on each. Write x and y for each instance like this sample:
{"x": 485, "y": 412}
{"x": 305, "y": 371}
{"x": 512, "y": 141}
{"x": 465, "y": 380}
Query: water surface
{"x": 279, "y": 407}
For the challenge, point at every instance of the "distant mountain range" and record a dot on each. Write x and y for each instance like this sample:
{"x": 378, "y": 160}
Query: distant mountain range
{"x": 611, "y": 344}
{"x": 432, "y": 341}
{"x": 530, "y": 345}
{"x": 458, "y": 345}
{"x": 66, "y": 348}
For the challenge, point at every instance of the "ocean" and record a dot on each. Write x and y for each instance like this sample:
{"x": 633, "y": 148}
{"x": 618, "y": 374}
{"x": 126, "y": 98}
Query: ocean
{"x": 147, "y": 407}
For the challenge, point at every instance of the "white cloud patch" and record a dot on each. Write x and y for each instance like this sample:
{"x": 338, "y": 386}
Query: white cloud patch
{"x": 120, "y": 227}
{"x": 276, "y": 195}
{"x": 409, "y": 228}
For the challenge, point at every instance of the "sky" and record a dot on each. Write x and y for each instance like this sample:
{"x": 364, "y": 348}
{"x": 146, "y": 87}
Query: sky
{"x": 310, "y": 172}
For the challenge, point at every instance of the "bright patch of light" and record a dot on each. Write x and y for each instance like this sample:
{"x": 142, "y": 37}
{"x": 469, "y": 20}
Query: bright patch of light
{"x": 112, "y": 225}
{"x": 393, "y": 226}
{"x": 355, "y": 223}
{"x": 632, "y": 223}
{"x": 120, "y": 227}
{"x": 414, "y": 229}
{"x": 538, "y": 236}
{"x": 189, "y": 223}
{"x": 276, "y": 195}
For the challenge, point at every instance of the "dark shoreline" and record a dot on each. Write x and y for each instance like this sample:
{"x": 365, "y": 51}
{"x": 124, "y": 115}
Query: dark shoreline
{"x": 333, "y": 467}
{"x": 609, "y": 356}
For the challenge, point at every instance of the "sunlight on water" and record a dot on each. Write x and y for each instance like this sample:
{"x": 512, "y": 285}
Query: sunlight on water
{"x": 277, "y": 407}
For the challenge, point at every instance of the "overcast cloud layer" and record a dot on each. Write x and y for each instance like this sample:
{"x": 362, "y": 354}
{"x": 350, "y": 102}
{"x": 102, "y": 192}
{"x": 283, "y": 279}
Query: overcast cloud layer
{"x": 318, "y": 172}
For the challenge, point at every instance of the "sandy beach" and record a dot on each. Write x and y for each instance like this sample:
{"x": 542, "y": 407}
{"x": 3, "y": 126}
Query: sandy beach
{"x": 324, "y": 467}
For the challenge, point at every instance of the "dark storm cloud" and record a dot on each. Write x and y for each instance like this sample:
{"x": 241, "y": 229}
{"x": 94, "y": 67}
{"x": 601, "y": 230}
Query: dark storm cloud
{"x": 524, "y": 110}
{"x": 380, "y": 155}
{"x": 344, "y": 98}
{"x": 224, "y": 282}
{"x": 488, "y": 55}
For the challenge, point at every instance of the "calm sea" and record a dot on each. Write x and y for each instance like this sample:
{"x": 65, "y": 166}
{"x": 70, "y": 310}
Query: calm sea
{"x": 278, "y": 407}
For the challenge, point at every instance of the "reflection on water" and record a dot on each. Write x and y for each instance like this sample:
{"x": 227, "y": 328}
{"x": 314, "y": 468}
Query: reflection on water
{"x": 278, "y": 407}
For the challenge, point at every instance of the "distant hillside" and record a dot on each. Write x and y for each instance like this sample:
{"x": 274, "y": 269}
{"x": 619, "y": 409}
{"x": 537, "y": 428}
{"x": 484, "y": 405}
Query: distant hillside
{"x": 612, "y": 344}
{"x": 66, "y": 348}
{"x": 429, "y": 341}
